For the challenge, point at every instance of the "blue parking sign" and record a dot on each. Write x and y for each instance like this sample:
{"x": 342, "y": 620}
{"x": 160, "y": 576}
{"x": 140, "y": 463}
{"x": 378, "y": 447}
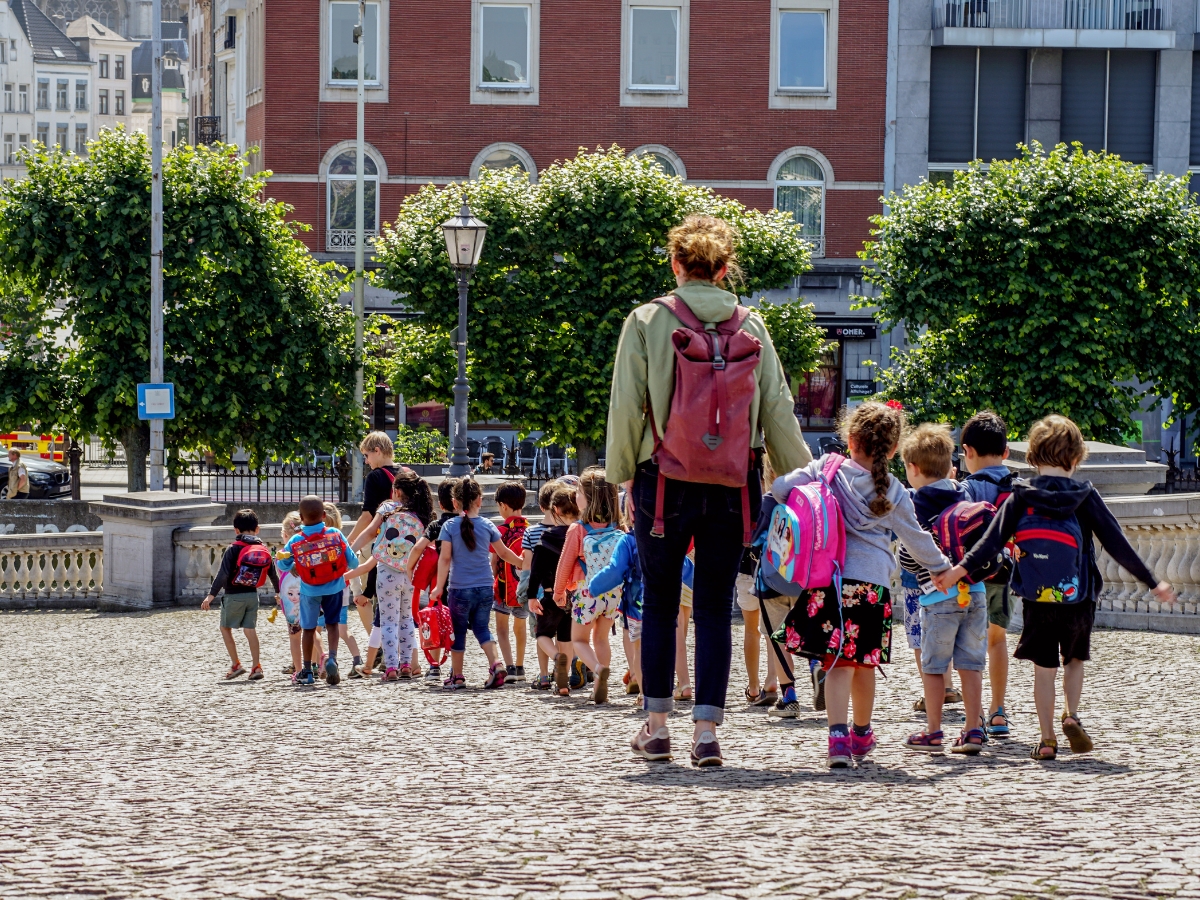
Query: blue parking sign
{"x": 156, "y": 401}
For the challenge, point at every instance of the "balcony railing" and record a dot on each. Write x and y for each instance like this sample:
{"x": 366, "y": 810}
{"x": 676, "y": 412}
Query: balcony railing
{"x": 337, "y": 239}
{"x": 817, "y": 244}
{"x": 1117, "y": 15}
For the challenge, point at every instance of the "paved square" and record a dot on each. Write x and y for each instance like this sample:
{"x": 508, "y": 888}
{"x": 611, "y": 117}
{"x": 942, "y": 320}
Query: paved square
{"x": 128, "y": 770}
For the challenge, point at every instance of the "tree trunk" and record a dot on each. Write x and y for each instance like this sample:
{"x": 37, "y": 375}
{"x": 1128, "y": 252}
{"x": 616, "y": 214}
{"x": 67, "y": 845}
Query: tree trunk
{"x": 585, "y": 455}
{"x": 136, "y": 442}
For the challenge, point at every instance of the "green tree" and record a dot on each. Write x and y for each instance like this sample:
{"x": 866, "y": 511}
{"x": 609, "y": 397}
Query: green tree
{"x": 564, "y": 263}
{"x": 797, "y": 337}
{"x": 1050, "y": 283}
{"x": 259, "y": 350}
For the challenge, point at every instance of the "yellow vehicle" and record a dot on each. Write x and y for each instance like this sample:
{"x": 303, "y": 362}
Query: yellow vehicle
{"x": 45, "y": 446}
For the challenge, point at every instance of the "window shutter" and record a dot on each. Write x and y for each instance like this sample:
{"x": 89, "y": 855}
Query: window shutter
{"x": 1001, "y": 103}
{"x": 1083, "y": 98}
{"x": 1195, "y": 155}
{"x": 1131, "y": 81}
{"x": 951, "y": 104}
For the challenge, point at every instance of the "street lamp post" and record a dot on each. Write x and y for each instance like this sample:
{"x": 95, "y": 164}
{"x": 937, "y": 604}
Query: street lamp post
{"x": 156, "y": 241}
{"x": 464, "y": 242}
{"x": 359, "y": 237}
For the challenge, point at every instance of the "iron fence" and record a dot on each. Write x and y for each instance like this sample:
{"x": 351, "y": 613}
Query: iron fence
{"x": 1120, "y": 15}
{"x": 267, "y": 483}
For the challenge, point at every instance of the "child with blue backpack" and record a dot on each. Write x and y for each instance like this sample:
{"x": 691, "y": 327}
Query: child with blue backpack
{"x": 952, "y": 631}
{"x": 625, "y": 571}
{"x": 847, "y": 625}
{"x": 1052, "y": 521}
{"x": 984, "y": 443}
{"x": 589, "y": 547}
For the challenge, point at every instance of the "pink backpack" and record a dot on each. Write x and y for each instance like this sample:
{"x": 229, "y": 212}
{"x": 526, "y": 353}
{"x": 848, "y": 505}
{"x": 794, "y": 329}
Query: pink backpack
{"x": 707, "y": 438}
{"x": 806, "y": 540}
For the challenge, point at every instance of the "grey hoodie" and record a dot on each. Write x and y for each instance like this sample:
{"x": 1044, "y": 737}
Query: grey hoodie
{"x": 869, "y": 537}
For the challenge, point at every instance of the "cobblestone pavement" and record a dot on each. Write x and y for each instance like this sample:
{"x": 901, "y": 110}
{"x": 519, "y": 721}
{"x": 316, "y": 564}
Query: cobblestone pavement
{"x": 127, "y": 769}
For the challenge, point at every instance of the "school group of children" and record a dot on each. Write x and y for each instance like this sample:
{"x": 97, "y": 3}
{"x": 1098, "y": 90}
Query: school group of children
{"x": 966, "y": 552}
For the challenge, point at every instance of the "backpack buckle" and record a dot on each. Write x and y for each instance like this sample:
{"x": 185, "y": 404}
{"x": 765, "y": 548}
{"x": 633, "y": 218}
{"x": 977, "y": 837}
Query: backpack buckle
{"x": 718, "y": 364}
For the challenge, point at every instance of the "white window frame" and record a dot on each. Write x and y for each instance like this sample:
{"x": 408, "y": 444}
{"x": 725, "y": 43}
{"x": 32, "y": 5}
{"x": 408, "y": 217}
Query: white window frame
{"x": 662, "y": 150}
{"x": 506, "y": 94}
{"x": 323, "y": 176}
{"x": 347, "y": 92}
{"x": 821, "y": 160}
{"x": 516, "y": 149}
{"x": 805, "y": 98}
{"x": 655, "y": 95}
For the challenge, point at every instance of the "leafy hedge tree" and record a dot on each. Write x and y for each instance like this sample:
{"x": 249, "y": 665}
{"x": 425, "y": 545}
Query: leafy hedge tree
{"x": 798, "y": 339}
{"x": 1049, "y": 283}
{"x": 259, "y": 350}
{"x": 564, "y": 262}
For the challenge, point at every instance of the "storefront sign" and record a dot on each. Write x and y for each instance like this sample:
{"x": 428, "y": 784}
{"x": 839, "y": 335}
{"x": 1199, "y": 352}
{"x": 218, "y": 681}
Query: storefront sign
{"x": 852, "y": 332}
{"x": 860, "y": 388}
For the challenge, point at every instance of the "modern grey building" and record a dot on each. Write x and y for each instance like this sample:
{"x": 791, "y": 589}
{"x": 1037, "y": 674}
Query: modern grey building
{"x": 971, "y": 79}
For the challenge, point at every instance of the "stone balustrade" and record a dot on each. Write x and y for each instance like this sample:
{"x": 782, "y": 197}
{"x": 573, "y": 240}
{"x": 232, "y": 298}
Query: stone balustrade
{"x": 51, "y": 570}
{"x": 1165, "y": 531}
{"x": 198, "y": 552}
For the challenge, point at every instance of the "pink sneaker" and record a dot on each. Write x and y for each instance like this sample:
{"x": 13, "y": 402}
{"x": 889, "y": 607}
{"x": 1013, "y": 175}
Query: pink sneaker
{"x": 861, "y": 745}
{"x": 839, "y": 752}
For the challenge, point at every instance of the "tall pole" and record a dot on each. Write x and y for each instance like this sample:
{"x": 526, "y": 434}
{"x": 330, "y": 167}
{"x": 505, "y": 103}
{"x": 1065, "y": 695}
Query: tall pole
{"x": 460, "y": 460}
{"x": 359, "y": 240}
{"x": 156, "y": 242}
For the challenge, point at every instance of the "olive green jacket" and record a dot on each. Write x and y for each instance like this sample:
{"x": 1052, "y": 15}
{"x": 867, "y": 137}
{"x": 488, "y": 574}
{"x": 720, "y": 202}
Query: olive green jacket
{"x": 645, "y": 368}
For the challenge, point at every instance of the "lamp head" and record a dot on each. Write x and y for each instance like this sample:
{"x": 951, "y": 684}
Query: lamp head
{"x": 464, "y": 238}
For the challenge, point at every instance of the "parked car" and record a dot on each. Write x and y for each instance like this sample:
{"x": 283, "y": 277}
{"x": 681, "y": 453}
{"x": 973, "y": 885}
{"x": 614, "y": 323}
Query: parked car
{"x": 47, "y": 480}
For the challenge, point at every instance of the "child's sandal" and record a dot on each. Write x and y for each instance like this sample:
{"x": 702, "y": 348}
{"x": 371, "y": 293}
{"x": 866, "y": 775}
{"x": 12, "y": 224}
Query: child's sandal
{"x": 390, "y": 675}
{"x": 1045, "y": 744}
{"x": 406, "y": 672}
{"x": 1078, "y": 738}
{"x": 925, "y": 742}
{"x": 969, "y": 742}
{"x": 455, "y": 683}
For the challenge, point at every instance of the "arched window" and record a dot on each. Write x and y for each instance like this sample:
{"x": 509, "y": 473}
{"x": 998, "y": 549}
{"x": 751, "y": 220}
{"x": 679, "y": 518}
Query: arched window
{"x": 504, "y": 156}
{"x": 340, "y": 200}
{"x": 800, "y": 190}
{"x": 665, "y": 157}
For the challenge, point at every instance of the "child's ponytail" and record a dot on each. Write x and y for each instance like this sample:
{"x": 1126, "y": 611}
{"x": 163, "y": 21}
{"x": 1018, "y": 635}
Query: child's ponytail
{"x": 466, "y": 492}
{"x": 875, "y": 430}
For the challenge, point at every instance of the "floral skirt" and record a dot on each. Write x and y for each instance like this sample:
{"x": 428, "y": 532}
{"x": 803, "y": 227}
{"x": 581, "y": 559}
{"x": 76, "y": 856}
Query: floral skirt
{"x": 860, "y": 633}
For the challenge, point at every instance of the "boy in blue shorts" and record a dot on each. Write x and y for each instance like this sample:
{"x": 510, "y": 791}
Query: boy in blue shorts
{"x": 950, "y": 632}
{"x": 510, "y": 500}
{"x": 984, "y": 442}
{"x": 320, "y": 557}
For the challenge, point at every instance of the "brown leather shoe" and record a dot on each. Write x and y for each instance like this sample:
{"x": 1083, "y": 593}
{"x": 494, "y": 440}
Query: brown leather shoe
{"x": 706, "y": 751}
{"x": 654, "y": 747}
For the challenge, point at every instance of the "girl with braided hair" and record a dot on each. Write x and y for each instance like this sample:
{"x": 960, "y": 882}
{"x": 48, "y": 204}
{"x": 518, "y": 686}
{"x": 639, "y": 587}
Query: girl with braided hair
{"x": 850, "y": 634}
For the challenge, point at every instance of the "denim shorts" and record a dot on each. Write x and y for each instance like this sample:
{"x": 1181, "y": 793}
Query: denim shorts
{"x": 953, "y": 633}
{"x": 503, "y": 609}
{"x": 471, "y": 610}
{"x": 326, "y": 607}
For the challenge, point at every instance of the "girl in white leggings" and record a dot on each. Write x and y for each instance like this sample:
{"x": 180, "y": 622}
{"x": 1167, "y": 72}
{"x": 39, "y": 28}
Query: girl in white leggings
{"x": 398, "y": 524}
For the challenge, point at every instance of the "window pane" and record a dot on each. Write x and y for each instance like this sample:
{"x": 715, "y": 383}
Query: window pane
{"x": 655, "y": 45}
{"x": 952, "y": 104}
{"x": 666, "y": 164}
{"x": 342, "y": 206}
{"x": 802, "y": 49}
{"x": 502, "y": 159}
{"x": 347, "y": 164}
{"x": 818, "y": 395}
{"x": 1083, "y": 74}
{"x": 343, "y": 52}
{"x": 1001, "y": 102}
{"x": 504, "y": 45}
{"x": 1131, "y": 83}
{"x": 801, "y": 168}
{"x": 804, "y": 203}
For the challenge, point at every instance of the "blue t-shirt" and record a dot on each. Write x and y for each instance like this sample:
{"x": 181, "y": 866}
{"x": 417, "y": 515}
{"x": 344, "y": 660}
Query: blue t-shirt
{"x": 470, "y": 568}
{"x": 338, "y": 585}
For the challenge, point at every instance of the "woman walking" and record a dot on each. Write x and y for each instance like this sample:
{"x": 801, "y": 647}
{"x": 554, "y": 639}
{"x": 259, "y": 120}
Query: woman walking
{"x": 690, "y": 450}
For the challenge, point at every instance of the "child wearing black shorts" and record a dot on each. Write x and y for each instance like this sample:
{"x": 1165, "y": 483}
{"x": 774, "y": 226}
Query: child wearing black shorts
{"x": 553, "y": 631}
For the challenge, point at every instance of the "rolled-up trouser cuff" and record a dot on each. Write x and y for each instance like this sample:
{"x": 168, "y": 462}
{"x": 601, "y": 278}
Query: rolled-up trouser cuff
{"x": 702, "y": 713}
{"x": 660, "y": 704}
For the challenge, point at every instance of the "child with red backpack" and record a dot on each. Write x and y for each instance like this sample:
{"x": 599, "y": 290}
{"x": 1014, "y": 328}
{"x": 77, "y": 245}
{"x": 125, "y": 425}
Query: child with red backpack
{"x": 396, "y": 527}
{"x": 589, "y": 547}
{"x": 953, "y": 622}
{"x": 245, "y": 567}
{"x": 1053, "y": 521}
{"x": 510, "y": 499}
{"x": 320, "y": 557}
{"x": 847, "y": 624}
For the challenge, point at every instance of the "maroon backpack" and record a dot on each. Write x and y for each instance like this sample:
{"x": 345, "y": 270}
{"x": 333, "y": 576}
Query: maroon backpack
{"x": 708, "y": 433}
{"x": 960, "y": 526}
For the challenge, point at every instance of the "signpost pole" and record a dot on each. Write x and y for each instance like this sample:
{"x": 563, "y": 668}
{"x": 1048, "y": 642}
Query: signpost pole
{"x": 157, "y": 443}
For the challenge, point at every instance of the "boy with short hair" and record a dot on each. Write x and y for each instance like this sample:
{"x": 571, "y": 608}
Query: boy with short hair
{"x": 1053, "y": 520}
{"x": 951, "y": 632}
{"x": 553, "y": 632}
{"x": 533, "y": 536}
{"x": 378, "y": 453}
{"x": 245, "y": 566}
{"x": 320, "y": 556}
{"x": 510, "y": 500}
{"x": 984, "y": 442}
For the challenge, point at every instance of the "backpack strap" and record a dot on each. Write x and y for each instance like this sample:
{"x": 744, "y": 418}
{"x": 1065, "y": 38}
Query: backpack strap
{"x": 833, "y": 464}
{"x": 679, "y": 308}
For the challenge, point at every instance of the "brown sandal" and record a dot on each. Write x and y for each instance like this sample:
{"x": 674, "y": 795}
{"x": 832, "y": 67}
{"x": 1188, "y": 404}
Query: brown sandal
{"x": 1044, "y": 744}
{"x": 1079, "y": 739}
{"x": 562, "y": 675}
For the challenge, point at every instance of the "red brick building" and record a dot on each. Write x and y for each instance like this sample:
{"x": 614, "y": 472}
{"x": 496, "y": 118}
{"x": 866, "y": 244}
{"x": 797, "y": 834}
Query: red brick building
{"x": 774, "y": 102}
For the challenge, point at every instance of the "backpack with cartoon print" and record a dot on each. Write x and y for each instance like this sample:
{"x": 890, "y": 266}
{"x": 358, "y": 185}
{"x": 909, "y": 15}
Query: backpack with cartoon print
{"x": 399, "y": 533}
{"x": 599, "y": 545}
